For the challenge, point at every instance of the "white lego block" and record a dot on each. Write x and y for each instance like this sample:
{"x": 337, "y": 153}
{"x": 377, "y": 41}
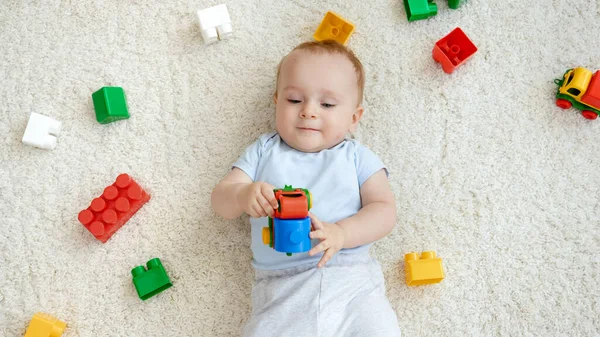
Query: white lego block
{"x": 41, "y": 131}
{"x": 215, "y": 23}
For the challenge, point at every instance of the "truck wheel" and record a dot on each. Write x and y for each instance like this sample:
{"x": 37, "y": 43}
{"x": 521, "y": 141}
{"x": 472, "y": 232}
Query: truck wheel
{"x": 563, "y": 103}
{"x": 589, "y": 114}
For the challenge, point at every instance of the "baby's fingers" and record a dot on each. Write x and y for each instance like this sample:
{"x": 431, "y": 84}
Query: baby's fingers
{"x": 269, "y": 195}
{"x": 316, "y": 223}
{"x": 318, "y": 234}
{"x": 265, "y": 206}
{"x": 319, "y": 248}
{"x": 326, "y": 257}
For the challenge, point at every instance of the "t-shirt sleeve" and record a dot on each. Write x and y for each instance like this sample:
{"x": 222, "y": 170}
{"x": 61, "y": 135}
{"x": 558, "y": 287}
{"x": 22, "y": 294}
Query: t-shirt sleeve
{"x": 248, "y": 161}
{"x": 367, "y": 163}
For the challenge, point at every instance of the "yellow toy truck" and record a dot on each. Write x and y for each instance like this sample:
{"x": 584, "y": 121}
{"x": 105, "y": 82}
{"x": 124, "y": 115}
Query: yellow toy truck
{"x": 580, "y": 89}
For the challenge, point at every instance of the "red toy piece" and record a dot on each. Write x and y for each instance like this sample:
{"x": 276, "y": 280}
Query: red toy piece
{"x": 109, "y": 212}
{"x": 294, "y": 203}
{"x": 592, "y": 95}
{"x": 453, "y": 50}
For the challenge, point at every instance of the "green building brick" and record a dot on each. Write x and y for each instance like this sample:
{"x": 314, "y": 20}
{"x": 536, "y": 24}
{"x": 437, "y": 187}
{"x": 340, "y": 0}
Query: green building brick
{"x": 110, "y": 104}
{"x": 419, "y": 9}
{"x": 454, "y": 4}
{"x": 152, "y": 281}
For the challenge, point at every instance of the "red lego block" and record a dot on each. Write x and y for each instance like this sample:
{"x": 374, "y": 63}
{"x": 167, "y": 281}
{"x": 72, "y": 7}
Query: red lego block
{"x": 592, "y": 94}
{"x": 453, "y": 50}
{"x": 294, "y": 203}
{"x": 117, "y": 204}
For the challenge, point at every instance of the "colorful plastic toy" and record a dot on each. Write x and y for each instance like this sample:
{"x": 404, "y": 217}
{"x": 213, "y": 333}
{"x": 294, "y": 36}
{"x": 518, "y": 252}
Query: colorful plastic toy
{"x": 41, "y": 131}
{"x": 454, "y": 4}
{"x": 334, "y": 27}
{"x": 453, "y": 50}
{"x": 425, "y": 270}
{"x": 110, "y": 104}
{"x": 151, "y": 281}
{"x": 215, "y": 23}
{"x": 117, "y": 204}
{"x": 580, "y": 89}
{"x": 288, "y": 230}
{"x": 44, "y": 325}
{"x": 419, "y": 9}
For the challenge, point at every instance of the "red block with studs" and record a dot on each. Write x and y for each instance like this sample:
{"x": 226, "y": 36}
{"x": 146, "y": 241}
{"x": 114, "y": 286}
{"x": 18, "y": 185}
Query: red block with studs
{"x": 453, "y": 50}
{"x": 117, "y": 204}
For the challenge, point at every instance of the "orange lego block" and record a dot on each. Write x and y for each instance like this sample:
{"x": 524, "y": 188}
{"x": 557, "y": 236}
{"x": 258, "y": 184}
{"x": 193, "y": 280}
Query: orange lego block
{"x": 294, "y": 203}
{"x": 117, "y": 204}
{"x": 424, "y": 270}
{"x": 44, "y": 325}
{"x": 592, "y": 94}
{"x": 334, "y": 27}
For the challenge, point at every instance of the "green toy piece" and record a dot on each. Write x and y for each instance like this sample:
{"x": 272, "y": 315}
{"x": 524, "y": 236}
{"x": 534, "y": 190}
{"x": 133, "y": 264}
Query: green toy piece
{"x": 110, "y": 105}
{"x": 420, "y": 9}
{"x": 454, "y": 4}
{"x": 152, "y": 281}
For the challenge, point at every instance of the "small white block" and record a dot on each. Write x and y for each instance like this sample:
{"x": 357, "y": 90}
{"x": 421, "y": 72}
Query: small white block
{"x": 215, "y": 22}
{"x": 41, "y": 131}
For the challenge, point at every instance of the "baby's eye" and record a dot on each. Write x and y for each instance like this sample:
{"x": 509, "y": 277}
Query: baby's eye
{"x": 327, "y": 105}
{"x": 294, "y": 101}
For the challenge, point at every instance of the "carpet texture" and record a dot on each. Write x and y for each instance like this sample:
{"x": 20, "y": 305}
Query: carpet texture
{"x": 486, "y": 170}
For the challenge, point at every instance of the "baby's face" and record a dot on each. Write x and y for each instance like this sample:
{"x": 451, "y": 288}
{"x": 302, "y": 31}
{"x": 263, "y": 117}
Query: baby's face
{"x": 316, "y": 100}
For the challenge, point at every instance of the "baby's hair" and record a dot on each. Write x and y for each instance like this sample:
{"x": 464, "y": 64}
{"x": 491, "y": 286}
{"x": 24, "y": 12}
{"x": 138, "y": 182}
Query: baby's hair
{"x": 332, "y": 47}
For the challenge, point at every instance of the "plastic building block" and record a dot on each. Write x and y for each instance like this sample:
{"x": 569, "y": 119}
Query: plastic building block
{"x": 425, "y": 270}
{"x": 41, "y": 131}
{"x": 334, "y": 27}
{"x": 117, "y": 204}
{"x": 44, "y": 325}
{"x": 580, "y": 89}
{"x": 294, "y": 203}
{"x": 289, "y": 228}
{"x": 110, "y": 104}
{"x": 454, "y": 4}
{"x": 215, "y": 23}
{"x": 419, "y": 9}
{"x": 288, "y": 235}
{"x": 453, "y": 50}
{"x": 151, "y": 281}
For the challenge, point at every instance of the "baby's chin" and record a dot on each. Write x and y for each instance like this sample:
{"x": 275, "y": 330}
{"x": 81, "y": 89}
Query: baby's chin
{"x": 309, "y": 143}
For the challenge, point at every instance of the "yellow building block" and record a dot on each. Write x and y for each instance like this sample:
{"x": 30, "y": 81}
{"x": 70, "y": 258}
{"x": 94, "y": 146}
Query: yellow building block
{"x": 424, "y": 270}
{"x": 43, "y": 325}
{"x": 334, "y": 27}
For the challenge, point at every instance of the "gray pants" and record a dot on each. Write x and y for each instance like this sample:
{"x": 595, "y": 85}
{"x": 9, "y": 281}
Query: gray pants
{"x": 346, "y": 298}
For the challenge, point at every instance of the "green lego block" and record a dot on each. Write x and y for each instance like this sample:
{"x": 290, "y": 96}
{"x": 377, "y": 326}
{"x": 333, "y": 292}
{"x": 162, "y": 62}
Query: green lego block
{"x": 419, "y": 9}
{"x": 110, "y": 105}
{"x": 454, "y": 4}
{"x": 152, "y": 281}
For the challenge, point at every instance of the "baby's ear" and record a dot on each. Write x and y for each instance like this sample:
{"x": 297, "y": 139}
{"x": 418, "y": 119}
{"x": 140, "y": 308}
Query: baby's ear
{"x": 356, "y": 116}
{"x": 275, "y": 97}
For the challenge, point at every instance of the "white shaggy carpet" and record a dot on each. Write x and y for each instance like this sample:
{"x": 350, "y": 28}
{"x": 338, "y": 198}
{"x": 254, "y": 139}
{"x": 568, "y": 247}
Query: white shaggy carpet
{"x": 486, "y": 170}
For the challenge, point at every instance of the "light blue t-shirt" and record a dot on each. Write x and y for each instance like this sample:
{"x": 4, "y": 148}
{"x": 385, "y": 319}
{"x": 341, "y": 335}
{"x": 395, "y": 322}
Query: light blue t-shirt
{"x": 333, "y": 177}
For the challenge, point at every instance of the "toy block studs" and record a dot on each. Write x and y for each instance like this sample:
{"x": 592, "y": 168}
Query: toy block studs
{"x": 110, "y": 104}
{"x": 419, "y": 9}
{"x": 151, "y": 281}
{"x": 453, "y": 50}
{"x": 424, "y": 270}
{"x": 215, "y": 23}
{"x": 334, "y": 27}
{"x": 41, "y": 131}
{"x": 117, "y": 204}
{"x": 44, "y": 325}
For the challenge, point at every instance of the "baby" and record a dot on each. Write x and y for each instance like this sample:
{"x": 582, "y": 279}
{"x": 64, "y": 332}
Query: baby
{"x": 336, "y": 289}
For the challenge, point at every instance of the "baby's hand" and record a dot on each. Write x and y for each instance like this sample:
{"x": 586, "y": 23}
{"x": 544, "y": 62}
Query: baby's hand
{"x": 332, "y": 239}
{"x": 258, "y": 199}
